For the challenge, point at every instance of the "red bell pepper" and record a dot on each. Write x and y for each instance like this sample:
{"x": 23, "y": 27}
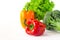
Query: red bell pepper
{"x": 34, "y": 27}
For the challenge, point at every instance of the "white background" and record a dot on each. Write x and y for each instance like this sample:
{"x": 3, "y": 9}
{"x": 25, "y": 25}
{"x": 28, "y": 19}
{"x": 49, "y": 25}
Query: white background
{"x": 10, "y": 27}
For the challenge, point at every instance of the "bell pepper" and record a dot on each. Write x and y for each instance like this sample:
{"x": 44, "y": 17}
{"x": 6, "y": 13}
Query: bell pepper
{"x": 25, "y": 16}
{"x": 30, "y": 15}
{"x": 22, "y": 18}
{"x": 34, "y": 27}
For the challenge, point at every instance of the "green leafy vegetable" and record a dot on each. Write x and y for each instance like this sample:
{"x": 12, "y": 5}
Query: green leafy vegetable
{"x": 40, "y": 7}
{"x": 52, "y": 20}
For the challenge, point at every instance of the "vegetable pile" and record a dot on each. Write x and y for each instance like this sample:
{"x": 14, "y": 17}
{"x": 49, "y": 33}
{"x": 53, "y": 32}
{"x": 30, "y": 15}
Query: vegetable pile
{"x": 40, "y": 7}
{"x": 52, "y": 20}
{"x": 37, "y": 10}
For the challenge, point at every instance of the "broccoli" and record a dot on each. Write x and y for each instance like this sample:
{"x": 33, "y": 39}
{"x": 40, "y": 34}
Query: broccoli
{"x": 52, "y": 20}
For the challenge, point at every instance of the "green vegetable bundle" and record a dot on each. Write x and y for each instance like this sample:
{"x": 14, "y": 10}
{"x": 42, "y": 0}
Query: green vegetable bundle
{"x": 40, "y": 7}
{"x": 52, "y": 20}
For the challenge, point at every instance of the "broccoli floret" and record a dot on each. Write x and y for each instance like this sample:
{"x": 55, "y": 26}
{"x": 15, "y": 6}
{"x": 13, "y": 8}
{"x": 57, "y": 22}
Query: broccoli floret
{"x": 52, "y": 20}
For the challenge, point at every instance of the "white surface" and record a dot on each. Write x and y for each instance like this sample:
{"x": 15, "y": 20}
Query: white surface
{"x": 10, "y": 28}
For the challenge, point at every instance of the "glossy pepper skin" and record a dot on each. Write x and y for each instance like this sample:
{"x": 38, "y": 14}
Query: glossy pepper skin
{"x": 38, "y": 28}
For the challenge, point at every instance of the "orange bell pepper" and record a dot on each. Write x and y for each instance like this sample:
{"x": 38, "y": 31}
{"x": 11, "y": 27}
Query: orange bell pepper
{"x": 26, "y": 15}
{"x": 30, "y": 15}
